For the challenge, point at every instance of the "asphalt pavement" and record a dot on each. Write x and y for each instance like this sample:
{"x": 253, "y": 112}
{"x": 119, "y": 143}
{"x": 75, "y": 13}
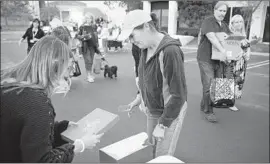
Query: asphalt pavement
{"x": 238, "y": 137}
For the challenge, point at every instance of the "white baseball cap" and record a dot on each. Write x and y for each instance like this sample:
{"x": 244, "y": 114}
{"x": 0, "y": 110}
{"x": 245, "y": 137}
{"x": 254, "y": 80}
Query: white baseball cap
{"x": 133, "y": 19}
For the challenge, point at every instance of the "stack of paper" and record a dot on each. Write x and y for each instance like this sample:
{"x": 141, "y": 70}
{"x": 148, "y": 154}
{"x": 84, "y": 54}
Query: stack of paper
{"x": 96, "y": 122}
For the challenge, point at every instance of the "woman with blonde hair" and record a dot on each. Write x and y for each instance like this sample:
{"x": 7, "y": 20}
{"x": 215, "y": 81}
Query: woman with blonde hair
{"x": 237, "y": 27}
{"x": 28, "y": 130}
{"x": 88, "y": 36}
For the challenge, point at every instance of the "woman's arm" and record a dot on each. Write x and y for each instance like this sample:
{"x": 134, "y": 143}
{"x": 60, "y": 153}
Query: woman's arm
{"x": 37, "y": 136}
{"x": 26, "y": 34}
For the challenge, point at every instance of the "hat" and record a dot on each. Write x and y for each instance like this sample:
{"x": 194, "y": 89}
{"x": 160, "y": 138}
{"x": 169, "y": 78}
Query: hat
{"x": 133, "y": 19}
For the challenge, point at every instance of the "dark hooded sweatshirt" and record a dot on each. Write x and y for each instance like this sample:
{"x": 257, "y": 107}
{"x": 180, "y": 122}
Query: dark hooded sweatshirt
{"x": 163, "y": 95}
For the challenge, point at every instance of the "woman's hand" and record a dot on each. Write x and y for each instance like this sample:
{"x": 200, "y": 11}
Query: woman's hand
{"x": 72, "y": 124}
{"x": 244, "y": 42}
{"x": 239, "y": 56}
{"x": 35, "y": 39}
{"x": 90, "y": 140}
{"x": 130, "y": 108}
{"x": 159, "y": 132}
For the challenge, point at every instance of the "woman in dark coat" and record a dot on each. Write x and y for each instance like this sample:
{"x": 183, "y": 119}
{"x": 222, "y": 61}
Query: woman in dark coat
{"x": 33, "y": 34}
{"x": 28, "y": 130}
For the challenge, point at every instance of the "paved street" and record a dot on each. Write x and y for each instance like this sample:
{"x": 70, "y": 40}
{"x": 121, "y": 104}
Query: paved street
{"x": 239, "y": 137}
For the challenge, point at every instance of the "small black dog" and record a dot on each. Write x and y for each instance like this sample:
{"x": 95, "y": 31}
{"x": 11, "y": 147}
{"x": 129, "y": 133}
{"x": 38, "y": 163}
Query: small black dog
{"x": 110, "y": 71}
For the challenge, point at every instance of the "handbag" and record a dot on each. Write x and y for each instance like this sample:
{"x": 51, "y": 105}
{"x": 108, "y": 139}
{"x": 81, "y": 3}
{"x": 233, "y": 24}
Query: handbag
{"x": 76, "y": 71}
{"x": 99, "y": 63}
{"x": 222, "y": 91}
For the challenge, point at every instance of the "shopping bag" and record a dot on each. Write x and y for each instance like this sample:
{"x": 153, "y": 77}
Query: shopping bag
{"x": 97, "y": 64}
{"x": 76, "y": 69}
{"x": 222, "y": 92}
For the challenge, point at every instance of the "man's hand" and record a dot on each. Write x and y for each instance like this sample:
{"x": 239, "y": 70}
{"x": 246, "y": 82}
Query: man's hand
{"x": 130, "y": 108}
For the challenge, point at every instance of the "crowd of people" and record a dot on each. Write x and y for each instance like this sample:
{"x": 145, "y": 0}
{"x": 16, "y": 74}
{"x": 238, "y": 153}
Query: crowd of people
{"x": 28, "y": 130}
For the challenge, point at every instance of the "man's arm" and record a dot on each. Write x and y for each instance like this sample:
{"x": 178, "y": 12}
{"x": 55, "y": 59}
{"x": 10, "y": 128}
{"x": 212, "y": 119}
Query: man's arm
{"x": 215, "y": 42}
{"x": 208, "y": 29}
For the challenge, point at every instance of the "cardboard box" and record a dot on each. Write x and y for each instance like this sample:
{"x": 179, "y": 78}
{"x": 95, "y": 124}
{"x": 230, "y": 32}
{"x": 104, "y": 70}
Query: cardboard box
{"x": 98, "y": 121}
{"x": 128, "y": 150}
{"x": 231, "y": 43}
{"x": 165, "y": 159}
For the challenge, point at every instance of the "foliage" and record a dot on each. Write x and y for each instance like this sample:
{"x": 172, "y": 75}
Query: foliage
{"x": 130, "y": 5}
{"x": 15, "y": 10}
{"x": 48, "y": 12}
{"x": 192, "y": 13}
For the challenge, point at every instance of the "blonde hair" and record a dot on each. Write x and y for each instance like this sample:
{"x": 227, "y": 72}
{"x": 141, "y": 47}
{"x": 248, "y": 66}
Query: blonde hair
{"x": 233, "y": 19}
{"x": 43, "y": 68}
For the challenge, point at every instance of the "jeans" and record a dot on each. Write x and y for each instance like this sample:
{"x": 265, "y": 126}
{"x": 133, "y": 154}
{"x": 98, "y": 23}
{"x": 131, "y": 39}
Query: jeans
{"x": 207, "y": 71}
{"x": 88, "y": 56}
{"x": 168, "y": 145}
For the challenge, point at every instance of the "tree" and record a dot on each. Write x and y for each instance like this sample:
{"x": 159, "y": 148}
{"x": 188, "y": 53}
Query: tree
{"x": 47, "y": 13}
{"x": 41, "y": 4}
{"x": 248, "y": 12}
{"x": 130, "y": 5}
{"x": 192, "y": 13}
{"x": 15, "y": 9}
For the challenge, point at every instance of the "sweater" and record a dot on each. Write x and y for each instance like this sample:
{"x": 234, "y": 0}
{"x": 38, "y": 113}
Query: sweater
{"x": 28, "y": 130}
{"x": 162, "y": 81}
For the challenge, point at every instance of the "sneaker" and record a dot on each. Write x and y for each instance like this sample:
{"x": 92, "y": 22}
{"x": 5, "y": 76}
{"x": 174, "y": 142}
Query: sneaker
{"x": 234, "y": 108}
{"x": 211, "y": 117}
{"x": 93, "y": 77}
{"x": 90, "y": 80}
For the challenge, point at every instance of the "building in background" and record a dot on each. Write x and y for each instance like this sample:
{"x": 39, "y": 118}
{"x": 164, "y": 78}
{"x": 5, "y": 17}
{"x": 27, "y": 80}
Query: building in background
{"x": 167, "y": 12}
{"x": 70, "y": 10}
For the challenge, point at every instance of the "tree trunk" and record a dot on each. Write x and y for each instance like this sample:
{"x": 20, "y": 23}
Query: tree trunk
{"x": 250, "y": 18}
{"x": 41, "y": 4}
{"x": 6, "y": 21}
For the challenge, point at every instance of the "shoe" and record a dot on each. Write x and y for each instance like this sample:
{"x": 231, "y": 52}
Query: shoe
{"x": 90, "y": 80}
{"x": 93, "y": 77}
{"x": 233, "y": 108}
{"x": 211, "y": 117}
